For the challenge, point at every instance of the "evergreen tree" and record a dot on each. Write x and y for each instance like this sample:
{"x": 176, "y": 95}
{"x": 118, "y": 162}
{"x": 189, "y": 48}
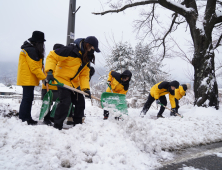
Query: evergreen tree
{"x": 146, "y": 69}
{"x": 120, "y": 58}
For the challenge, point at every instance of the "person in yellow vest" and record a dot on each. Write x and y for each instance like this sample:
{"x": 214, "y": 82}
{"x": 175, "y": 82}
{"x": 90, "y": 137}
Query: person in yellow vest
{"x": 119, "y": 83}
{"x": 179, "y": 93}
{"x": 69, "y": 65}
{"x": 30, "y": 73}
{"x": 47, "y": 119}
{"x": 158, "y": 92}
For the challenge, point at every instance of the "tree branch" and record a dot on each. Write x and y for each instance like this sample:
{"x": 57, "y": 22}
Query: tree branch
{"x": 127, "y": 6}
{"x": 164, "y": 38}
{"x": 210, "y": 10}
{"x": 218, "y": 42}
{"x": 176, "y": 7}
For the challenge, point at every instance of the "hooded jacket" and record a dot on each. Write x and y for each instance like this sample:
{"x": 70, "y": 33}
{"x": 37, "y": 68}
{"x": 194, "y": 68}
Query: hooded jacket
{"x": 117, "y": 85}
{"x": 29, "y": 67}
{"x": 180, "y": 92}
{"x": 56, "y": 46}
{"x": 68, "y": 67}
{"x": 163, "y": 88}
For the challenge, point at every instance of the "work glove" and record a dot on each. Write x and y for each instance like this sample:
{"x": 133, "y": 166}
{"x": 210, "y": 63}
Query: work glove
{"x": 158, "y": 101}
{"x": 173, "y": 112}
{"x": 89, "y": 94}
{"x": 50, "y": 76}
{"x": 44, "y": 82}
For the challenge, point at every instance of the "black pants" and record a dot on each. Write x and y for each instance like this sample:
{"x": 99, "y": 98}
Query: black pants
{"x": 149, "y": 102}
{"x": 66, "y": 97}
{"x": 177, "y": 105}
{"x": 26, "y": 104}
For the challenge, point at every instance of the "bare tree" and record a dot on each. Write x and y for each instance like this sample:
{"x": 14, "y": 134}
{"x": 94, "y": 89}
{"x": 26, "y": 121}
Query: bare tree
{"x": 204, "y": 21}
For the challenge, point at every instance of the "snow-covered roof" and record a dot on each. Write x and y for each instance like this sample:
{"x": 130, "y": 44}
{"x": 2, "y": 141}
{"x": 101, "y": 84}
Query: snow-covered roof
{"x": 13, "y": 89}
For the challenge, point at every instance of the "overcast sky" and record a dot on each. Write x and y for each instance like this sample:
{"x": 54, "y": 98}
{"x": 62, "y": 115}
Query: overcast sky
{"x": 20, "y": 18}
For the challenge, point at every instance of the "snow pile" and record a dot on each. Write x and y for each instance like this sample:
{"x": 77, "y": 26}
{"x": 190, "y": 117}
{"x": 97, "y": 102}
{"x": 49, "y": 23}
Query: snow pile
{"x": 199, "y": 126}
{"x": 134, "y": 143}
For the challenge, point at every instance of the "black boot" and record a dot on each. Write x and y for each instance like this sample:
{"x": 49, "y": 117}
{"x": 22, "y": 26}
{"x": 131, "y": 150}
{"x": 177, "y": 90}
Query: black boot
{"x": 77, "y": 120}
{"x": 47, "y": 122}
{"x": 160, "y": 116}
{"x": 172, "y": 114}
{"x": 105, "y": 114}
{"x": 32, "y": 122}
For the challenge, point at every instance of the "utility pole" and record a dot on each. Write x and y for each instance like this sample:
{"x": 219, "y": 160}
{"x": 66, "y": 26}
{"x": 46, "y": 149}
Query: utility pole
{"x": 71, "y": 22}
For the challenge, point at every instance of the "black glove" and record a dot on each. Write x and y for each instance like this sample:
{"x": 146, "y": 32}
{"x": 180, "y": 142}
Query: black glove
{"x": 174, "y": 110}
{"x": 158, "y": 101}
{"x": 89, "y": 94}
{"x": 50, "y": 76}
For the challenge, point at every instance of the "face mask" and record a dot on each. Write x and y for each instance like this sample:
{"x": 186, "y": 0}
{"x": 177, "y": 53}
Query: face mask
{"x": 90, "y": 57}
{"x": 90, "y": 52}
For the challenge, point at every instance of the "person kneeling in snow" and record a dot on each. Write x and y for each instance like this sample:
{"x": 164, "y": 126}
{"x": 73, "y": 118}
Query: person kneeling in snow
{"x": 158, "y": 92}
{"x": 119, "y": 83}
{"x": 179, "y": 93}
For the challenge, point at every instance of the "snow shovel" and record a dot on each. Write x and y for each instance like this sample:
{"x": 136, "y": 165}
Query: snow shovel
{"x": 171, "y": 110}
{"x": 46, "y": 102}
{"x": 110, "y": 98}
{"x": 114, "y": 99}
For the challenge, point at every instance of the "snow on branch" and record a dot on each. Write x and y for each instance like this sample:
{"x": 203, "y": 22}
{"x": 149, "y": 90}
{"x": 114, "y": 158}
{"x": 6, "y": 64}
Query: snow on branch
{"x": 173, "y": 6}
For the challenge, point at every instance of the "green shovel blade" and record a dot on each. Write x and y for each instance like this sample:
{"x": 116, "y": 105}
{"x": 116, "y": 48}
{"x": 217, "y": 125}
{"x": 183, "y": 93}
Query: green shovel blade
{"x": 52, "y": 114}
{"x": 114, "y": 100}
{"x": 46, "y": 104}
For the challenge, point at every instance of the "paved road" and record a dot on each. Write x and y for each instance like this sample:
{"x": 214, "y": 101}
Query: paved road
{"x": 212, "y": 162}
{"x": 208, "y": 157}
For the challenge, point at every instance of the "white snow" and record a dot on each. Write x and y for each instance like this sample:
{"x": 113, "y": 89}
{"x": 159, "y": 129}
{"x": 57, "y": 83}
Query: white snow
{"x": 219, "y": 154}
{"x": 134, "y": 143}
{"x": 218, "y": 13}
{"x": 181, "y": 6}
{"x": 189, "y": 168}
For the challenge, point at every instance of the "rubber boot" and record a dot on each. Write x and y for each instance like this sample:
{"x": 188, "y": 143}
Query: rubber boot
{"x": 105, "y": 114}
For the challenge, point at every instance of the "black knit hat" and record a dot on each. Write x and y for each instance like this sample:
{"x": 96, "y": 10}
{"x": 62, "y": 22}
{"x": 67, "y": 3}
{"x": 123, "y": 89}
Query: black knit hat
{"x": 175, "y": 84}
{"x": 37, "y": 36}
{"x": 184, "y": 87}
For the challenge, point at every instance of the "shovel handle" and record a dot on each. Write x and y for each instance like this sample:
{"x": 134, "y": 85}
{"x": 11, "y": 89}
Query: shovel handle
{"x": 110, "y": 87}
{"x": 171, "y": 110}
{"x": 47, "y": 85}
{"x": 73, "y": 89}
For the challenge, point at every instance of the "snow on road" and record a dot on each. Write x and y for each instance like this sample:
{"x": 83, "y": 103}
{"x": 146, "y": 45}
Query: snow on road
{"x": 134, "y": 143}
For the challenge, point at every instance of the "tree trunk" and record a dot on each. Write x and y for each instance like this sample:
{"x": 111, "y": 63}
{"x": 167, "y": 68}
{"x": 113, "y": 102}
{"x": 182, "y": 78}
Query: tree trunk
{"x": 205, "y": 84}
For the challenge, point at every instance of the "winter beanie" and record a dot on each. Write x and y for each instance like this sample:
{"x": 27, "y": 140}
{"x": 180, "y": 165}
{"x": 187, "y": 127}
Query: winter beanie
{"x": 184, "y": 87}
{"x": 174, "y": 84}
{"x": 188, "y": 86}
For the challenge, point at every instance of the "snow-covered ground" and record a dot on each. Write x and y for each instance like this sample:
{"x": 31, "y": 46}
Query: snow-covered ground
{"x": 134, "y": 143}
